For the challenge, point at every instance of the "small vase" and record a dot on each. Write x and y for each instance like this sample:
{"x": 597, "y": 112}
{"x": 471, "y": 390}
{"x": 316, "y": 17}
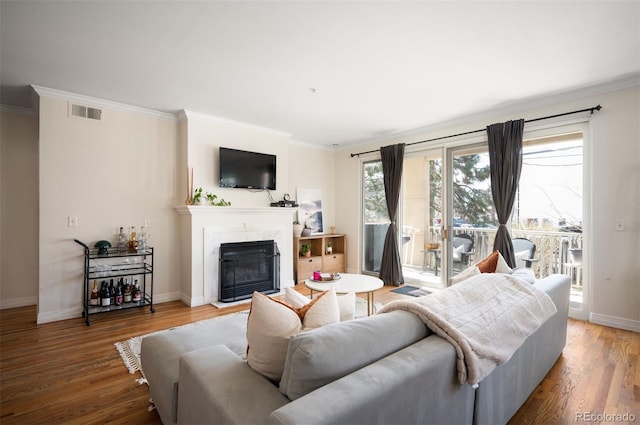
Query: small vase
{"x": 306, "y": 232}
{"x": 297, "y": 230}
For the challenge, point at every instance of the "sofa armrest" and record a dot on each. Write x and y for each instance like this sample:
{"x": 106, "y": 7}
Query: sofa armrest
{"x": 218, "y": 387}
{"x": 558, "y": 287}
{"x": 417, "y": 384}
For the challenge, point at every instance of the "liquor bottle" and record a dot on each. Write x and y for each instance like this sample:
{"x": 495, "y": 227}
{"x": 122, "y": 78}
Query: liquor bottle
{"x": 127, "y": 291}
{"x": 122, "y": 240}
{"x": 112, "y": 292}
{"x": 105, "y": 300}
{"x": 137, "y": 294}
{"x": 95, "y": 296}
{"x": 119, "y": 298}
{"x": 142, "y": 239}
{"x": 133, "y": 240}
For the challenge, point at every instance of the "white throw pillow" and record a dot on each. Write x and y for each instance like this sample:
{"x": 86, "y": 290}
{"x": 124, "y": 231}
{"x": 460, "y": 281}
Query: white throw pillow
{"x": 323, "y": 311}
{"x": 346, "y": 302}
{"x": 269, "y": 327}
{"x": 347, "y": 306}
{"x": 502, "y": 266}
{"x": 295, "y": 298}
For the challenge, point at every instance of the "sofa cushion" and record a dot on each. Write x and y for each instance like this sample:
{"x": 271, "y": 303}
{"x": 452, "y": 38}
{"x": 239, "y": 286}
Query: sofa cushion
{"x": 323, "y": 355}
{"x": 159, "y": 354}
{"x": 272, "y": 322}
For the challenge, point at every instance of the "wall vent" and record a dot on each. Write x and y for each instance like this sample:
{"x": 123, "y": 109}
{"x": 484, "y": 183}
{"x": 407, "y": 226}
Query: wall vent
{"x": 87, "y": 112}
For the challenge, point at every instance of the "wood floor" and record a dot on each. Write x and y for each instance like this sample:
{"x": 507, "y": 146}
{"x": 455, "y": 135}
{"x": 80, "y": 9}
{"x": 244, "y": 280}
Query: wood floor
{"x": 68, "y": 373}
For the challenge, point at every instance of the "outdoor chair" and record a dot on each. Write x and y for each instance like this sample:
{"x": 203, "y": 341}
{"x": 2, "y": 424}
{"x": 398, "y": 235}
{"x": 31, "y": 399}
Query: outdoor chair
{"x": 574, "y": 267}
{"x": 462, "y": 249}
{"x": 524, "y": 250}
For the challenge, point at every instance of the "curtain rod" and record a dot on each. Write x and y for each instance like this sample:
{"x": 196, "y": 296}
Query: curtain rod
{"x": 594, "y": 108}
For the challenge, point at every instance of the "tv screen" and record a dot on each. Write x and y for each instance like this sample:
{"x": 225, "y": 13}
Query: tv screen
{"x": 250, "y": 170}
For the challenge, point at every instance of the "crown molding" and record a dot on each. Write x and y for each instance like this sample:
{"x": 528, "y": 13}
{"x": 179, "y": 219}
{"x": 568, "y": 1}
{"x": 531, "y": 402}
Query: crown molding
{"x": 186, "y": 114}
{"x": 510, "y": 108}
{"x": 99, "y": 103}
{"x": 310, "y": 145}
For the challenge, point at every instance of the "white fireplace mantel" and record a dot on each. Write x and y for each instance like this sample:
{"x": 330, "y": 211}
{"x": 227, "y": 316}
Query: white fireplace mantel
{"x": 204, "y": 228}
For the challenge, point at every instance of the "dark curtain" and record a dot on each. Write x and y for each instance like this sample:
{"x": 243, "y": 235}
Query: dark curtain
{"x": 391, "y": 264}
{"x": 505, "y": 159}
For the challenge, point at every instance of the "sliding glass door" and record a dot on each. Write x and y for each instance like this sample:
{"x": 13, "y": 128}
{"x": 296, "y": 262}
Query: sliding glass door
{"x": 422, "y": 215}
{"x": 448, "y": 222}
{"x": 473, "y": 222}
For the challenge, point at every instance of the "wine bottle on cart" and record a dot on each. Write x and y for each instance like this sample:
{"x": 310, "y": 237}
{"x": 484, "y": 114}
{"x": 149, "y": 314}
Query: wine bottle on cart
{"x": 127, "y": 291}
{"x": 112, "y": 292}
{"x": 105, "y": 299}
{"x": 137, "y": 294}
{"x": 119, "y": 297}
{"x": 95, "y": 295}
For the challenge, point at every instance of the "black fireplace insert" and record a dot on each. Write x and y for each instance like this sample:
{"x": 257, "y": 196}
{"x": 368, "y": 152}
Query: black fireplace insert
{"x": 246, "y": 267}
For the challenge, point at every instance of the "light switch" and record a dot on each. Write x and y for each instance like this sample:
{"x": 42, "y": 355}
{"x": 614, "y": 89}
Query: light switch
{"x": 72, "y": 221}
{"x": 619, "y": 225}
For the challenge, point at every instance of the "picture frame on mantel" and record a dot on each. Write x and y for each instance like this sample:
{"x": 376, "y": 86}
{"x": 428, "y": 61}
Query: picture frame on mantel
{"x": 310, "y": 210}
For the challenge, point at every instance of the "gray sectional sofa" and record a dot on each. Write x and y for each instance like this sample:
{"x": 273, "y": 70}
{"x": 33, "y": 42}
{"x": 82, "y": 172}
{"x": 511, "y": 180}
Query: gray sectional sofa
{"x": 387, "y": 368}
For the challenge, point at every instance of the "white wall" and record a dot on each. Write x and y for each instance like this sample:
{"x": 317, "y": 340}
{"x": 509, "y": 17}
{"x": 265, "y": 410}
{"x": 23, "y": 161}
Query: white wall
{"x": 298, "y": 165}
{"x": 615, "y": 141}
{"x": 116, "y": 172}
{"x": 18, "y": 209}
{"x": 126, "y": 169}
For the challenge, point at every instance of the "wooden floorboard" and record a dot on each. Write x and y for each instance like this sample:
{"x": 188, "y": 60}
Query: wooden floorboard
{"x": 69, "y": 373}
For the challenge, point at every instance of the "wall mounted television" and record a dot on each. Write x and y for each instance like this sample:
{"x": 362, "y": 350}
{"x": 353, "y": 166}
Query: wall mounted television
{"x": 248, "y": 170}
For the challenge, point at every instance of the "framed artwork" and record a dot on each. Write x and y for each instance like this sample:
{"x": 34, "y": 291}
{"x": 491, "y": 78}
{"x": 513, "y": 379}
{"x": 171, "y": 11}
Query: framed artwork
{"x": 310, "y": 209}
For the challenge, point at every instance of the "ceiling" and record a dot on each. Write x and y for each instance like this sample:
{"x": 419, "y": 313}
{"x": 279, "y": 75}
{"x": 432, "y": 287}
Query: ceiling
{"x": 330, "y": 73}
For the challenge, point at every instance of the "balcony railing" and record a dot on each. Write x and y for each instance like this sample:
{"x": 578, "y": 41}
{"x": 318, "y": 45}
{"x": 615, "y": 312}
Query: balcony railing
{"x": 556, "y": 251}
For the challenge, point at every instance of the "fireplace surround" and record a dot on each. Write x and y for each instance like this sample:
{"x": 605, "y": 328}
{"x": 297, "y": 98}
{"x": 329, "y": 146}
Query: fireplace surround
{"x": 205, "y": 228}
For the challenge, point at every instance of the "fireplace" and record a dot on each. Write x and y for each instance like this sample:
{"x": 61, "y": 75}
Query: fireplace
{"x": 246, "y": 267}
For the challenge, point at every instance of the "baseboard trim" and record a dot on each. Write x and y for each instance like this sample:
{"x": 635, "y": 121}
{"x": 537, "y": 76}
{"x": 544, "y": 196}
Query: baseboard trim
{"x": 615, "y": 322}
{"x": 192, "y": 301}
{"x": 54, "y": 316}
{"x": 18, "y": 302}
{"x": 76, "y": 313}
{"x": 165, "y": 298}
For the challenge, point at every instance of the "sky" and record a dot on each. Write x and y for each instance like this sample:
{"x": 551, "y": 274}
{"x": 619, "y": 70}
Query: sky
{"x": 551, "y": 182}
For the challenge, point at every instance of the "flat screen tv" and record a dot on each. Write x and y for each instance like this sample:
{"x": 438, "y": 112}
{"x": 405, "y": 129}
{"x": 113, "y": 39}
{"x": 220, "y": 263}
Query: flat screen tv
{"x": 250, "y": 170}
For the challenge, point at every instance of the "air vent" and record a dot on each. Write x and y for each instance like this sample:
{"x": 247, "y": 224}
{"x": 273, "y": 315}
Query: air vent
{"x": 87, "y": 112}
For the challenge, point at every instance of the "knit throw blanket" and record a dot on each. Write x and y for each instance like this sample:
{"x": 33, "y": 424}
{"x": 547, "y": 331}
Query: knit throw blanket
{"x": 486, "y": 318}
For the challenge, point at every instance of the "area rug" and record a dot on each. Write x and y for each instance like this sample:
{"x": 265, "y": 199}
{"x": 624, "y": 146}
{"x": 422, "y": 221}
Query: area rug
{"x": 130, "y": 349}
{"x": 411, "y": 290}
